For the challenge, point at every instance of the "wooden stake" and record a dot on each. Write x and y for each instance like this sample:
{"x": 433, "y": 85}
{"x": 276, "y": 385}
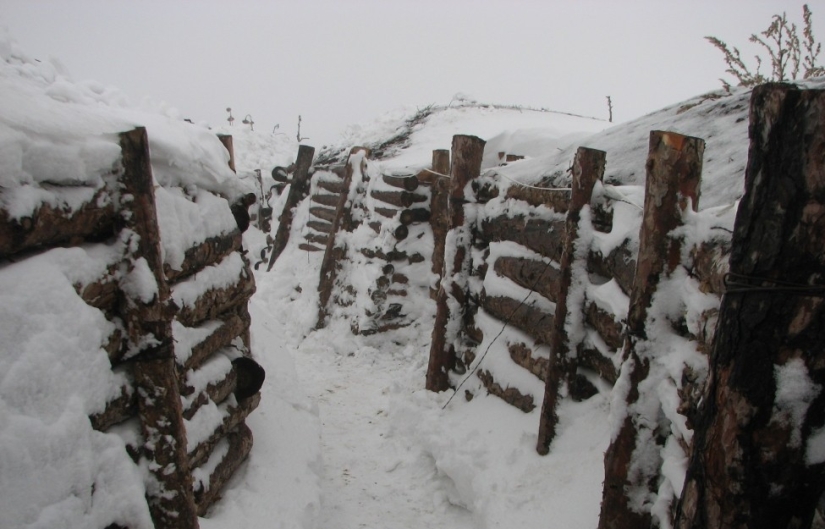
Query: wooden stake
{"x": 588, "y": 168}
{"x": 297, "y": 192}
{"x": 674, "y": 169}
{"x": 171, "y": 502}
{"x": 439, "y": 214}
{"x": 467, "y": 153}
{"x": 754, "y": 462}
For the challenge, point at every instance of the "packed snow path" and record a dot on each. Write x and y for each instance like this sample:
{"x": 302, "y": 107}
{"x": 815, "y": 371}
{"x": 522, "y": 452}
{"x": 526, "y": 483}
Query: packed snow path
{"x": 370, "y": 477}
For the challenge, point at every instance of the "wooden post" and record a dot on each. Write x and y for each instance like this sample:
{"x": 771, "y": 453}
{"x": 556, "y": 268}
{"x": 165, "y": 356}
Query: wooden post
{"x": 674, "y": 170}
{"x": 229, "y": 143}
{"x": 439, "y": 219}
{"x": 467, "y": 152}
{"x": 755, "y": 461}
{"x": 148, "y": 323}
{"x": 342, "y": 221}
{"x": 298, "y": 191}
{"x": 588, "y": 168}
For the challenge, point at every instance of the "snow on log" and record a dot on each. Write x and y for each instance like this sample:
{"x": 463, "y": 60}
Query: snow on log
{"x": 330, "y": 201}
{"x": 386, "y": 212}
{"x": 209, "y": 252}
{"x": 51, "y": 225}
{"x": 510, "y": 395}
{"x": 535, "y": 322}
{"x": 323, "y": 213}
{"x": 523, "y": 356}
{"x": 298, "y": 190}
{"x": 117, "y": 410}
{"x": 211, "y": 477}
{"x": 193, "y": 345}
{"x": 556, "y": 199}
{"x": 214, "y": 290}
{"x": 620, "y": 264}
{"x": 321, "y": 226}
{"x": 531, "y": 274}
{"x": 229, "y": 415}
{"x": 333, "y": 187}
{"x": 758, "y": 444}
{"x": 544, "y": 237}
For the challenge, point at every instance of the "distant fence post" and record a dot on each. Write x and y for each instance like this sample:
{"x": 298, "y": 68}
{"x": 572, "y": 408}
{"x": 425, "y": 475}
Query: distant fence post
{"x": 298, "y": 190}
{"x": 674, "y": 171}
{"x": 439, "y": 219}
{"x": 342, "y": 220}
{"x": 588, "y": 168}
{"x": 467, "y": 152}
{"x": 755, "y": 461}
{"x": 149, "y": 330}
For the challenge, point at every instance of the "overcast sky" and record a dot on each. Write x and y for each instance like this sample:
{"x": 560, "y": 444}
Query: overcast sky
{"x": 348, "y": 61}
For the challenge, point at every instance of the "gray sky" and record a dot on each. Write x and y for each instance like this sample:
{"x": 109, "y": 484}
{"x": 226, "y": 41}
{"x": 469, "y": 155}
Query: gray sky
{"x": 344, "y": 62}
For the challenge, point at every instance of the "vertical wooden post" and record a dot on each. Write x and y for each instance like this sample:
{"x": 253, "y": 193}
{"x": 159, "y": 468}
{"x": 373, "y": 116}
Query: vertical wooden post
{"x": 674, "y": 170}
{"x": 229, "y": 143}
{"x": 343, "y": 220}
{"x": 588, "y": 168}
{"x": 757, "y": 459}
{"x": 298, "y": 190}
{"x": 439, "y": 219}
{"x": 467, "y": 152}
{"x": 148, "y": 323}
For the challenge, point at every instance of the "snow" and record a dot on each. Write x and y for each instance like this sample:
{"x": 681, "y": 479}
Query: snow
{"x": 345, "y": 435}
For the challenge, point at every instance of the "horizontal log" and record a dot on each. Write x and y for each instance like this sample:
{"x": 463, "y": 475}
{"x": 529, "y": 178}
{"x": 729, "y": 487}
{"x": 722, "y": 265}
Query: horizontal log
{"x": 209, "y": 252}
{"x": 309, "y": 248}
{"x": 234, "y": 324}
{"x": 530, "y": 274}
{"x": 386, "y": 212}
{"x": 408, "y": 183}
{"x": 240, "y": 444}
{"x": 217, "y": 392}
{"x": 594, "y": 360}
{"x": 318, "y": 225}
{"x": 529, "y": 319}
{"x": 400, "y": 279}
{"x": 542, "y": 236}
{"x": 323, "y": 213}
{"x": 392, "y": 255}
{"x": 316, "y": 238}
{"x": 217, "y": 301}
{"x": 511, "y": 396}
{"x": 619, "y": 264}
{"x": 326, "y": 200}
{"x": 237, "y": 414}
{"x": 117, "y": 410}
{"x": 523, "y": 356}
{"x": 556, "y": 199}
{"x": 414, "y": 215}
{"x": 400, "y": 199}
{"x": 49, "y": 226}
{"x": 602, "y": 321}
{"x": 332, "y": 187}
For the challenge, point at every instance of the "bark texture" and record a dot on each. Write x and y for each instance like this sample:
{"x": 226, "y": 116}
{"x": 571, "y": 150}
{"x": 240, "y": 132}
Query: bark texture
{"x": 753, "y": 463}
{"x": 298, "y": 191}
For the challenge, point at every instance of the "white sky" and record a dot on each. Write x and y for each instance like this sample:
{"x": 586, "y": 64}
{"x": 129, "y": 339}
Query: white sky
{"x": 343, "y": 62}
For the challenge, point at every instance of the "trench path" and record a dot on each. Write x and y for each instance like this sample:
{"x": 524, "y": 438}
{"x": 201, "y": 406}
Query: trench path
{"x": 370, "y": 477}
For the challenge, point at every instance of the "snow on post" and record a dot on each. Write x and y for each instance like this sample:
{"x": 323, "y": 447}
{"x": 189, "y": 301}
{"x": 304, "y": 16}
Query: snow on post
{"x": 588, "y": 168}
{"x": 634, "y": 458}
{"x": 467, "y": 152}
{"x": 149, "y": 329}
{"x": 758, "y": 449}
{"x": 298, "y": 191}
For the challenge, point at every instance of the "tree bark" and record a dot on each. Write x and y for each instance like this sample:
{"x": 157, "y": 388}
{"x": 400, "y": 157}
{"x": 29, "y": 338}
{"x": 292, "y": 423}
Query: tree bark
{"x": 332, "y": 187}
{"x": 240, "y": 445}
{"x": 467, "y": 152}
{"x": 399, "y": 199}
{"x": 327, "y": 214}
{"x": 439, "y": 212}
{"x": 330, "y": 201}
{"x": 556, "y": 199}
{"x": 414, "y": 216}
{"x": 674, "y": 169}
{"x": 209, "y": 252}
{"x": 755, "y": 462}
{"x": 535, "y": 322}
{"x": 298, "y": 190}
